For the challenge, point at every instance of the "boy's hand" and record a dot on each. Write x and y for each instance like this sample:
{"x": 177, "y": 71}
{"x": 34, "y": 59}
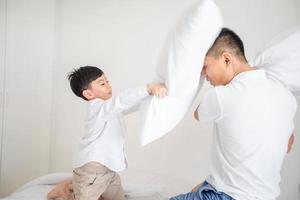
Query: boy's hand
{"x": 157, "y": 89}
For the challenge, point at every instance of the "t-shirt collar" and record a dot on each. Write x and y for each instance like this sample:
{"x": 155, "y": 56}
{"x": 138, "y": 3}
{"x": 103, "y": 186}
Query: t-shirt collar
{"x": 251, "y": 74}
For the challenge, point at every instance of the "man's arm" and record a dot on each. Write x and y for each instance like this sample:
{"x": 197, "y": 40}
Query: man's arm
{"x": 196, "y": 115}
{"x": 209, "y": 110}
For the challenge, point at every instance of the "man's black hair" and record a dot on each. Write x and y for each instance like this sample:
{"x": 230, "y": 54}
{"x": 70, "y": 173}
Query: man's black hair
{"x": 228, "y": 40}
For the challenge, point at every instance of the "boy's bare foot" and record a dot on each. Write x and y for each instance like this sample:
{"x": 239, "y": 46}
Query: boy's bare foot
{"x": 61, "y": 190}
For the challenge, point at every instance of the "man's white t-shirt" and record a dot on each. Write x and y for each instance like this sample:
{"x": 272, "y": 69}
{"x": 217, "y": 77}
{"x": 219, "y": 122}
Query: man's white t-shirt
{"x": 253, "y": 119}
{"x": 104, "y": 139}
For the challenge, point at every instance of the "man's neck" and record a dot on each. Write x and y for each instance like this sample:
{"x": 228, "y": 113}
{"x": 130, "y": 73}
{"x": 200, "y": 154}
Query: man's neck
{"x": 243, "y": 67}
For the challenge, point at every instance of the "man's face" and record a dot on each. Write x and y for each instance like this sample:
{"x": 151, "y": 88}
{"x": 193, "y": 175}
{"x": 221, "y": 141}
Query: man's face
{"x": 100, "y": 88}
{"x": 215, "y": 70}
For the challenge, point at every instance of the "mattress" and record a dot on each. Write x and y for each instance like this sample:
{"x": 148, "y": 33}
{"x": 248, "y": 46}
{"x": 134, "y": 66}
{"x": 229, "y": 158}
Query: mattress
{"x": 137, "y": 186}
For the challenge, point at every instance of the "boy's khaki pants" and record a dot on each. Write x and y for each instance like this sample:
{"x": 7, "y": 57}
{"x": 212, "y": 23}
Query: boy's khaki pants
{"x": 94, "y": 181}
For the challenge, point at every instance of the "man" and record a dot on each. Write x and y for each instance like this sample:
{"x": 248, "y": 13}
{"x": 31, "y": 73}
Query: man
{"x": 253, "y": 121}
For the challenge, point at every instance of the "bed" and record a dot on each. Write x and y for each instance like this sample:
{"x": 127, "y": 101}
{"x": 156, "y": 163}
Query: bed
{"x": 139, "y": 185}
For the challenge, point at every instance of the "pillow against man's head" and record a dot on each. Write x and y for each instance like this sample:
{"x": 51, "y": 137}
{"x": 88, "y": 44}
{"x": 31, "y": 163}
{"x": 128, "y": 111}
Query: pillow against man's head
{"x": 182, "y": 72}
{"x": 281, "y": 61}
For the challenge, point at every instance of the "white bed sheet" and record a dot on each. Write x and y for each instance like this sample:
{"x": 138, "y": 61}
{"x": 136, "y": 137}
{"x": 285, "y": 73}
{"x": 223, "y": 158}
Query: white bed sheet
{"x": 140, "y": 186}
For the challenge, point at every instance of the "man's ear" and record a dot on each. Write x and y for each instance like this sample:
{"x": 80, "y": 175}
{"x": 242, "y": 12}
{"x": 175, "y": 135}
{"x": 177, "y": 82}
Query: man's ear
{"x": 227, "y": 57}
{"x": 87, "y": 94}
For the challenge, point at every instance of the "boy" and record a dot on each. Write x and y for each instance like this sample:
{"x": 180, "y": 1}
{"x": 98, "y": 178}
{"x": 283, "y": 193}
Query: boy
{"x": 101, "y": 150}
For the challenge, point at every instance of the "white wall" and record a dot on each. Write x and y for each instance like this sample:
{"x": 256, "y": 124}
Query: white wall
{"x": 28, "y": 79}
{"x": 2, "y": 64}
{"x": 125, "y": 38}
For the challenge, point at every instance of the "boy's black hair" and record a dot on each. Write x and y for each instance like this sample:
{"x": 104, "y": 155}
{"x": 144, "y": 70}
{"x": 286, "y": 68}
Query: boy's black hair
{"x": 81, "y": 78}
{"x": 228, "y": 40}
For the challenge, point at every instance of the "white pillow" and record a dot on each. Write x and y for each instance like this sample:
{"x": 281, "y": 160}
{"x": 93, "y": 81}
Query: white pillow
{"x": 182, "y": 72}
{"x": 281, "y": 61}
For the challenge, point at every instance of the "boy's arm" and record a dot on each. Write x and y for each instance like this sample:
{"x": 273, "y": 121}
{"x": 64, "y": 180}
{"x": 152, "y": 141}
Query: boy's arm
{"x": 117, "y": 104}
{"x": 127, "y": 99}
{"x": 159, "y": 90}
{"x": 133, "y": 109}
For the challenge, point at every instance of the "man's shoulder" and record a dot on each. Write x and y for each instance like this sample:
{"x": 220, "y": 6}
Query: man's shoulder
{"x": 285, "y": 95}
{"x": 226, "y": 91}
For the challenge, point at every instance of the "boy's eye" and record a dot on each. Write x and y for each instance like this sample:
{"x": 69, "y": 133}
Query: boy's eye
{"x": 103, "y": 83}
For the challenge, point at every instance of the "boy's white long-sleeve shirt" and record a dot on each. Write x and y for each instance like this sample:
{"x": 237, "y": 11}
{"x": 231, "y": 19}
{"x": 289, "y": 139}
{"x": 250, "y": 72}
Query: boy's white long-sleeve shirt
{"x": 103, "y": 141}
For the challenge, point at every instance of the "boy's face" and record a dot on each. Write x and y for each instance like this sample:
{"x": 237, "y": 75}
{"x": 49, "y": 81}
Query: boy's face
{"x": 99, "y": 88}
{"x": 216, "y": 70}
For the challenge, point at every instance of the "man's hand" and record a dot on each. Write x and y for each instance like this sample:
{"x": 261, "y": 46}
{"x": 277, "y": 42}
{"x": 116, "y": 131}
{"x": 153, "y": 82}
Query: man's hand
{"x": 196, "y": 188}
{"x": 157, "y": 89}
{"x": 196, "y": 115}
{"x": 290, "y": 143}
